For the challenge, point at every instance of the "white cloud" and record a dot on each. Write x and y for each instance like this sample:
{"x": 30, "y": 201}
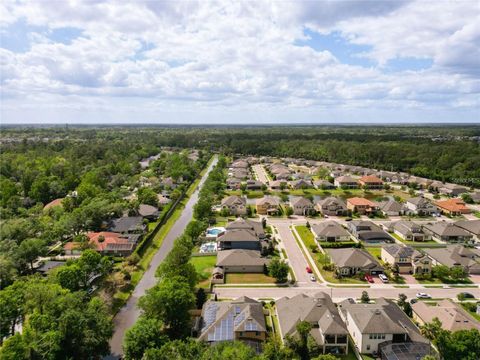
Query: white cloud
{"x": 238, "y": 56}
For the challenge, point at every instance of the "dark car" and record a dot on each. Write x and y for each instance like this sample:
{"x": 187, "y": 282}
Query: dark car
{"x": 466, "y": 295}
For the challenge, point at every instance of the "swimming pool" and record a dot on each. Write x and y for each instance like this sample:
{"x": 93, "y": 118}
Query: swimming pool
{"x": 214, "y": 231}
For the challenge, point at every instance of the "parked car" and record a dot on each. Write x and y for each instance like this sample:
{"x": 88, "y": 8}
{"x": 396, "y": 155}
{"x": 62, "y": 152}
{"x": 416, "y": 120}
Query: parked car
{"x": 422, "y": 295}
{"x": 348, "y": 219}
{"x": 383, "y": 277}
{"x": 369, "y": 278}
{"x": 325, "y": 216}
{"x": 313, "y": 278}
{"x": 308, "y": 269}
{"x": 467, "y": 295}
{"x": 413, "y": 301}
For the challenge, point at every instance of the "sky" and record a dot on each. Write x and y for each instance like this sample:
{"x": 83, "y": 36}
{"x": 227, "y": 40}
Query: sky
{"x": 240, "y": 62}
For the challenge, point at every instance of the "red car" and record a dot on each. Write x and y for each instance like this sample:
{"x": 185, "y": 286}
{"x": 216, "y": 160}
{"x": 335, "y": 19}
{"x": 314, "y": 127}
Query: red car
{"x": 308, "y": 270}
{"x": 369, "y": 278}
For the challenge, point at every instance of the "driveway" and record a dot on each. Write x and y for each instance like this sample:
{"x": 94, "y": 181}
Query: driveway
{"x": 409, "y": 279}
{"x": 297, "y": 261}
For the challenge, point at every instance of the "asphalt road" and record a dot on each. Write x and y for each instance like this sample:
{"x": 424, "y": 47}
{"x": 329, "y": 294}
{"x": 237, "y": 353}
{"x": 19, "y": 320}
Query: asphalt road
{"x": 261, "y": 173}
{"x": 129, "y": 314}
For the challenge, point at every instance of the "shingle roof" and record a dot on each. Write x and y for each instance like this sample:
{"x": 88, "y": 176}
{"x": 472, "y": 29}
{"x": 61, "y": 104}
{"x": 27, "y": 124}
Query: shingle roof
{"x": 233, "y": 199}
{"x": 329, "y": 228}
{"x": 353, "y": 257}
{"x": 240, "y": 257}
{"x": 443, "y": 228}
{"x": 472, "y": 226}
{"x": 238, "y": 235}
{"x": 248, "y": 224}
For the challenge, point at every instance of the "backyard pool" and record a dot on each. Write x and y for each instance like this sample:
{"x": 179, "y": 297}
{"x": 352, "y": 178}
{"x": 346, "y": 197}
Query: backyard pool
{"x": 214, "y": 231}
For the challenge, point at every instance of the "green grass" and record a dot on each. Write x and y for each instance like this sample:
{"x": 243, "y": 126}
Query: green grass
{"x": 367, "y": 357}
{"x": 472, "y": 313}
{"x": 374, "y": 251}
{"x": 477, "y": 214}
{"x": 306, "y": 235}
{"x": 248, "y": 278}
{"x": 204, "y": 266}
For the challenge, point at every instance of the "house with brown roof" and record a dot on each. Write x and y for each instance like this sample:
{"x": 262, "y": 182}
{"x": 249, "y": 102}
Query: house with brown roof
{"x": 236, "y": 205}
{"x": 361, "y": 205}
{"x": 302, "y": 206}
{"x": 406, "y": 260}
{"x": 328, "y": 329}
{"x": 370, "y": 182}
{"x": 106, "y": 243}
{"x": 330, "y": 231}
{"x": 268, "y": 205}
{"x": 374, "y": 328}
{"x": 242, "y": 319}
{"x": 454, "y": 207}
{"x": 350, "y": 261}
{"x": 331, "y": 206}
{"x": 452, "y": 316}
{"x": 346, "y": 182}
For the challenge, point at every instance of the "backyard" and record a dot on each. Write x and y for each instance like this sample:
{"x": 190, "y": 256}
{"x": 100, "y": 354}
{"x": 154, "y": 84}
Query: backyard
{"x": 204, "y": 266}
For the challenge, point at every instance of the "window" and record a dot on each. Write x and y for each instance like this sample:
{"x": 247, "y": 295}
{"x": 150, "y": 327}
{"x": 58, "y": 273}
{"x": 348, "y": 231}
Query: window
{"x": 368, "y": 347}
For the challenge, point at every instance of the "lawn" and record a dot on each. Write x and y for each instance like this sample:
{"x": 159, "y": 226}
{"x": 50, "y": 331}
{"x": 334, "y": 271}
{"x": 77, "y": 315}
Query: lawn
{"x": 320, "y": 259}
{"x": 472, "y": 313}
{"x": 204, "y": 266}
{"x": 248, "y": 278}
{"x": 477, "y": 214}
{"x": 374, "y": 251}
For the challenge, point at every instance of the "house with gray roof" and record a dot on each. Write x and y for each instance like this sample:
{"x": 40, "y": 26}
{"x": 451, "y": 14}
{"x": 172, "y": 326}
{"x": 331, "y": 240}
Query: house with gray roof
{"x": 239, "y": 320}
{"x": 369, "y": 232}
{"x": 420, "y": 206}
{"x": 127, "y": 225}
{"x": 254, "y": 185}
{"x": 148, "y": 211}
{"x": 236, "y": 205}
{"x": 346, "y": 182}
{"x": 330, "y": 231}
{"x": 238, "y": 239}
{"x": 323, "y": 184}
{"x": 302, "y": 206}
{"x": 247, "y": 224}
{"x": 241, "y": 261}
{"x": 448, "y": 232}
{"x": 408, "y": 230}
{"x": 452, "y": 189}
{"x": 472, "y": 226}
{"x": 350, "y": 261}
{"x": 391, "y": 208}
{"x": 331, "y": 206}
{"x": 328, "y": 329}
{"x": 300, "y": 184}
{"x": 406, "y": 259}
{"x": 375, "y": 327}
{"x": 456, "y": 255}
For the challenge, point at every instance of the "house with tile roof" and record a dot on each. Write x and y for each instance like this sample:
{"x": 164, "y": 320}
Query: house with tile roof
{"x": 454, "y": 207}
{"x": 361, "y": 205}
{"x": 370, "y": 182}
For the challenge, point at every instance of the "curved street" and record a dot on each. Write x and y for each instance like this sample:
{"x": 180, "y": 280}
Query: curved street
{"x": 129, "y": 314}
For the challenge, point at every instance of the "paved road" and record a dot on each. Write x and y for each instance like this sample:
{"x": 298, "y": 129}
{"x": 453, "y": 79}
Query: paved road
{"x": 129, "y": 314}
{"x": 295, "y": 256}
{"x": 339, "y": 294}
{"x": 261, "y": 174}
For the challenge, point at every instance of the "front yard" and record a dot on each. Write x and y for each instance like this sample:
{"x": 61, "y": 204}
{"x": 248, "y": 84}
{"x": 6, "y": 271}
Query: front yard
{"x": 248, "y": 278}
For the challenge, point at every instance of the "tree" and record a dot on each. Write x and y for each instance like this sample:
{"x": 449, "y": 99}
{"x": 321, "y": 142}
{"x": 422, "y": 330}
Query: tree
{"x": 14, "y": 348}
{"x": 300, "y": 344}
{"x": 237, "y": 350}
{"x": 432, "y": 329}
{"x": 365, "y": 298}
{"x": 467, "y": 198}
{"x": 278, "y": 269}
{"x": 463, "y": 344}
{"x": 429, "y": 357}
{"x": 176, "y": 350}
{"x": 325, "y": 357}
{"x": 145, "y": 334}
{"x": 288, "y": 211}
{"x": 30, "y": 249}
{"x": 402, "y": 299}
{"x": 441, "y": 271}
{"x": 146, "y": 195}
{"x": 12, "y": 305}
{"x": 201, "y": 298}
{"x": 457, "y": 273}
{"x": 69, "y": 277}
{"x": 169, "y": 301}
{"x": 274, "y": 350}
{"x": 194, "y": 229}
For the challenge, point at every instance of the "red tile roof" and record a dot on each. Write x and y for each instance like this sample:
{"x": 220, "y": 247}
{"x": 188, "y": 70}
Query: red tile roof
{"x": 370, "y": 179}
{"x": 358, "y": 201}
{"x": 453, "y": 205}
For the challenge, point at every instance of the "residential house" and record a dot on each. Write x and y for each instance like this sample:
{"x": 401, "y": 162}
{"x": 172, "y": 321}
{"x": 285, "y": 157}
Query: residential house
{"x": 447, "y": 232}
{"x": 408, "y": 230}
{"x": 241, "y": 261}
{"x": 148, "y": 212}
{"x": 239, "y": 174}
{"x": 233, "y": 183}
{"x": 239, "y": 164}
{"x": 278, "y": 184}
{"x": 239, "y": 320}
{"x": 331, "y": 206}
{"x": 391, "y": 208}
{"x": 346, "y": 182}
{"x": 361, "y": 206}
{"x": 381, "y": 327}
{"x": 246, "y": 224}
{"x": 236, "y": 205}
{"x": 370, "y": 182}
{"x": 328, "y": 329}
{"x": 369, "y": 232}
{"x": 452, "y": 316}
{"x": 406, "y": 260}
{"x": 454, "y": 207}
{"x": 472, "y": 226}
{"x": 162, "y": 199}
{"x": 323, "y": 184}
{"x": 330, "y": 231}
{"x": 300, "y": 184}
{"x": 106, "y": 243}
{"x": 127, "y": 225}
{"x": 238, "y": 239}
{"x": 254, "y": 185}
{"x": 452, "y": 190}
{"x": 268, "y": 205}
{"x": 350, "y": 261}
{"x": 456, "y": 255}
{"x": 168, "y": 183}
{"x": 420, "y": 206}
{"x": 302, "y": 206}
{"x": 47, "y": 266}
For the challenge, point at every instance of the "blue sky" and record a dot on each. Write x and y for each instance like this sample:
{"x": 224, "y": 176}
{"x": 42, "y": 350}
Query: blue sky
{"x": 240, "y": 62}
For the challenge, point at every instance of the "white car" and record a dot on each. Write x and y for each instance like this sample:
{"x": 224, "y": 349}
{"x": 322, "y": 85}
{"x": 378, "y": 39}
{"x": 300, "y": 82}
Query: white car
{"x": 313, "y": 278}
{"x": 423, "y": 296}
{"x": 383, "y": 277}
